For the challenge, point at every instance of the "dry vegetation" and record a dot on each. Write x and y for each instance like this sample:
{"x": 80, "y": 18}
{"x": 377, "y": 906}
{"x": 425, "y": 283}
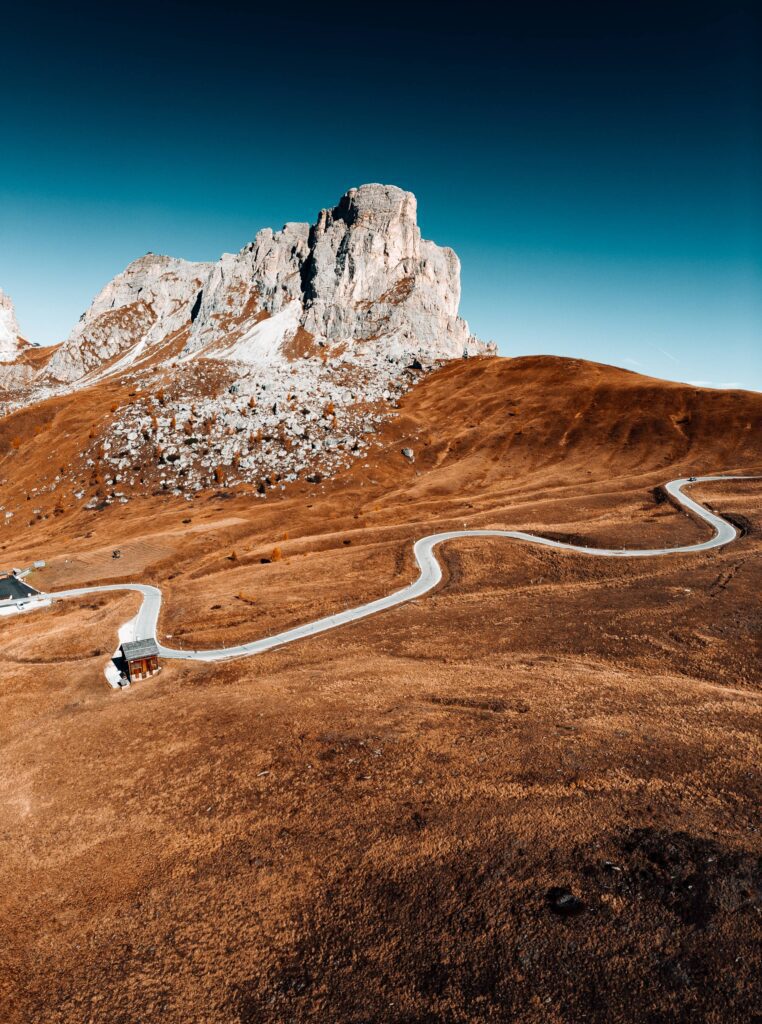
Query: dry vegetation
{"x": 383, "y": 823}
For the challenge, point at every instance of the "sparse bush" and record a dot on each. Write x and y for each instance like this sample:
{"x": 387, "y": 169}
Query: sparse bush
{"x": 233, "y": 557}
{"x": 218, "y": 474}
{"x": 277, "y": 555}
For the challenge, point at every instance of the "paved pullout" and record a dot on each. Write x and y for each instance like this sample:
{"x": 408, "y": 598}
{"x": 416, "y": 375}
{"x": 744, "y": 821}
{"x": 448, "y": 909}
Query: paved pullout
{"x": 145, "y": 623}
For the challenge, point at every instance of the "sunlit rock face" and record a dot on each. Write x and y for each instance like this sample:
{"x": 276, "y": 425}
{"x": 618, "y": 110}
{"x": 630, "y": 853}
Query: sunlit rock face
{"x": 140, "y": 309}
{"x": 361, "y": 277}
{"x": 263, "y": 278}
{"x": 370, "y": 277}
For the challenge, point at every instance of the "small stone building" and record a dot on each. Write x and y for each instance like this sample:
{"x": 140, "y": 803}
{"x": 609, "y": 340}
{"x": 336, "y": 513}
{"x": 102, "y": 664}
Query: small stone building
{"x": 141, "y": 658}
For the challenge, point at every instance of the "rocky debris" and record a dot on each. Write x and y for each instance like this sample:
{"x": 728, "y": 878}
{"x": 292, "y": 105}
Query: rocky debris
{"x": 10, "y": 343}
{"x": 307, "y": 421}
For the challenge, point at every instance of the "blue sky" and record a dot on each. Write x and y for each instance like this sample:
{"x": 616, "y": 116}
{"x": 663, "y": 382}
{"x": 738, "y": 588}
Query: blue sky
{"x": 596, "y": 167}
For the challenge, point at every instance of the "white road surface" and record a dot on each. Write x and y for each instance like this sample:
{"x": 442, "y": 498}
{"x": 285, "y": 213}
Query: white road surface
{"x": 146, "y": 621}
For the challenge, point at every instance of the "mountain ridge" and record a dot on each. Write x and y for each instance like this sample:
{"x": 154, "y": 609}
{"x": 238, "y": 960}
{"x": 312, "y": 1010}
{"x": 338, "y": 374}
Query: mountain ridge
{"x": 362, "y": 276}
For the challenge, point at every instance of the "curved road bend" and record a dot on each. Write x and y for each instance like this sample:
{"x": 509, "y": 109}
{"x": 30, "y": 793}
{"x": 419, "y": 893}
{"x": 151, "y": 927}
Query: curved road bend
{"x": 430, "y": 574}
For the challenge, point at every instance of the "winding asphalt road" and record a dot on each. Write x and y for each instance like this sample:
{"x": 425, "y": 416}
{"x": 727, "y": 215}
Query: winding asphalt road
{"x": 146, "y": 621}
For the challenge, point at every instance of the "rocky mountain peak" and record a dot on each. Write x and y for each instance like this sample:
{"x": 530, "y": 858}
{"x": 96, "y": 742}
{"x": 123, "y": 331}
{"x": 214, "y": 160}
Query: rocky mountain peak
{"x": 374, "y": 204}
{"x": 151, "y": 299}
{"x": 276, "y": 363}
{"x": 360, "y": 276}
{"x": 370, "y": 277}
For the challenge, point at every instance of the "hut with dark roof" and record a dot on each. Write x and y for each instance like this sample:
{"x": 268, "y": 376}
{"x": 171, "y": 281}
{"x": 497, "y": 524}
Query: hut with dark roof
{"x": 141, "y": 658}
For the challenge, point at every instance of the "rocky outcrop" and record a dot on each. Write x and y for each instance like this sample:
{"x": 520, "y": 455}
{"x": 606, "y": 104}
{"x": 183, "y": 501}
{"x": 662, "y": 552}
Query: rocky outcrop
{"x": 263, "y": 278}
{"x": 10, "y": 343}
{"x": 360, "y": 276}
{"x": 141, "y": 308}
{"x": 370, "y": 277}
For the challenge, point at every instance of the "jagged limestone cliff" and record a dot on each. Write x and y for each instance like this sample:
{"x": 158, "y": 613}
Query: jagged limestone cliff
{"x": 361, "y": 276}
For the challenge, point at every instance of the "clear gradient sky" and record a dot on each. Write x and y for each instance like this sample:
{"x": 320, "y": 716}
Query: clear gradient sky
{"x": 596, "y": 166}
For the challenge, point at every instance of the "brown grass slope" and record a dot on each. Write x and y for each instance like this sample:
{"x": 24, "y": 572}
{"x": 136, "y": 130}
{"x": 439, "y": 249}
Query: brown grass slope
{"x": 372, "y": 825}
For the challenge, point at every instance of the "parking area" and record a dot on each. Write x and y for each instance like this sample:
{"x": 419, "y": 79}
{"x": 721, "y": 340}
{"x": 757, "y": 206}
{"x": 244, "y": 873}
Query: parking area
{"x": 10, "y": 587}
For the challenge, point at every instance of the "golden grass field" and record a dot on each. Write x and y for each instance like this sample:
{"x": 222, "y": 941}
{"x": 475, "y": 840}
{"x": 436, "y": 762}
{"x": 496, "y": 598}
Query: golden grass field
{"x": 369, "y": 826}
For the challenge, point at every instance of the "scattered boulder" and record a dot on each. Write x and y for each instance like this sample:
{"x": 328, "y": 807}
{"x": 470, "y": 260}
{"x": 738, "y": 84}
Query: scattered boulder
{"x": 409, "y": 454}
{"x": 563, "y": 902}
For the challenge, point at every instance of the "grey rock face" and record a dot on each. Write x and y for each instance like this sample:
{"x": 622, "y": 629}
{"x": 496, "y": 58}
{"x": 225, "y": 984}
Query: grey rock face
{"x": 361, "y": 277}
{"x": 371, "y": 276}
{"x": 264, "y": 276}
{"x": 362, "y": 274}
{"x": 142, "y": 306}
